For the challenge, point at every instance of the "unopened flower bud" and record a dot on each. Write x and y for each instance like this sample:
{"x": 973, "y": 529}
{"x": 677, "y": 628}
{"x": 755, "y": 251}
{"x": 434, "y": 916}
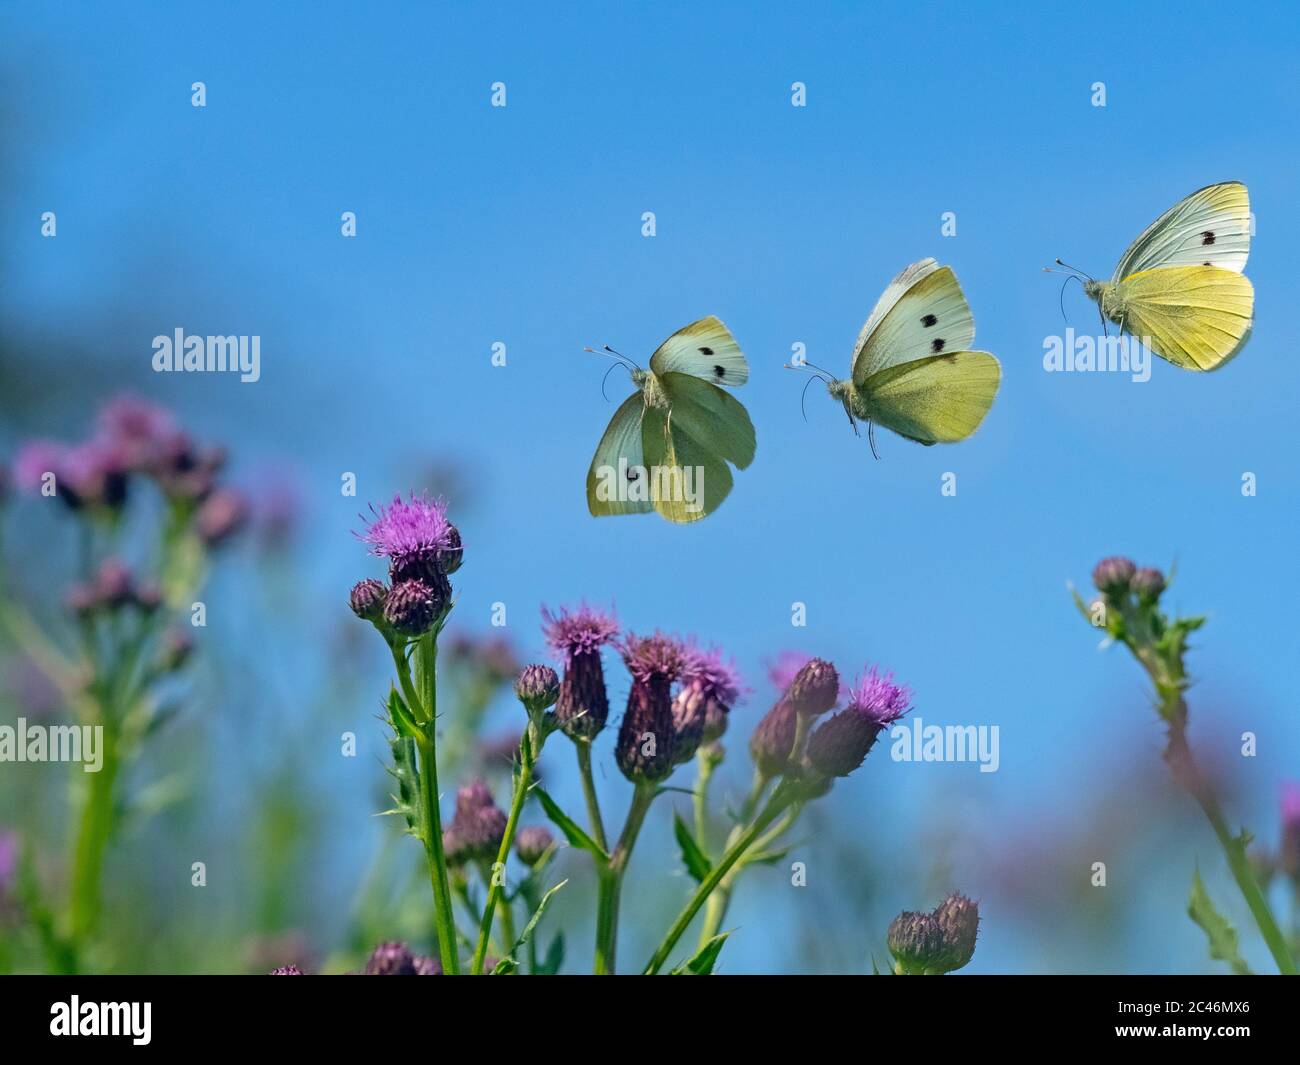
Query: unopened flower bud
{"x": 537, "y": 688}
{"x": 412, "y": 607}
{"x": 815, "y": 688}
{"x": 287, "y": 970}
{"x": 914, "y": 939}
{"x": 690, "y": 708}
{"x": 532, "y": 844}
{"x": 476, "y": 830}
{"x": 841, "y": 743}
{"x": 397, "y": 959}
{"x": 1148, "y": 584}
{"x": 644, "y": 751}
{"x": 938, "y": 942}
{"x": 1112, "y": 575}
{"x": 772, "y": 741}
{"x": 451, "y": 556}
{"x": 367, "y": 599}
{"x": 958, "y": 919}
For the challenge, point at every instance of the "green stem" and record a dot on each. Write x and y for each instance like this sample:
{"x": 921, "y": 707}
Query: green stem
{"x": 704, "y": 773}
{"x": 780, "y": 800}
{"x": 1179, "y": 756}
{"x": 611, "y": 879}
{"x": 497, "y": 874}
{"x": 95, "y": 825}
{"x": 589, "y": 793}
{"x": 445, "y": 921}
{"x": 715, "y": 912}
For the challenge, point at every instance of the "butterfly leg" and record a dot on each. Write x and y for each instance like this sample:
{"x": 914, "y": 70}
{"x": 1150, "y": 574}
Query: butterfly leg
{"x": 871, "y": 439}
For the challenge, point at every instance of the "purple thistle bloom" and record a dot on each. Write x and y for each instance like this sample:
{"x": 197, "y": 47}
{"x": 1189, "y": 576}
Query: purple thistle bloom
{"x": 35, "y": 460}
{"x": 644, "y": 751}
{"x": 537, "y": 688}
{"x": 220, "y": 516}
{"x": 843, "y": 742}
{"x": 367, "y": 599}
{"x": 146, "y": 432}
{"x": 582, "y": 631}
{"x": 415, "y": 536}
{"x": 814, "y": 689}
{"x": 287, "y": 970}
{"x": 93, "y": 473}
{"x": 716, "y": 678}
{"x": 1112, "y": 575}
{"x": 397, "y": 959}
{"x": 710, "y": 687}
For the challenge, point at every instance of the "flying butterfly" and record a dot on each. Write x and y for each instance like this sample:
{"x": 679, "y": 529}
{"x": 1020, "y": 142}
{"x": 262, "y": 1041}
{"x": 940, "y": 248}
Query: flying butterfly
{"x": 912, "y": 369}
{"x": 668, "y": 445}
{"x": 1180, "y": 285}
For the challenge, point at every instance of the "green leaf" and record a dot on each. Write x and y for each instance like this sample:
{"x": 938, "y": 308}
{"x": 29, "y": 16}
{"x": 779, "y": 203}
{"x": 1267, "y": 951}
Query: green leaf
{"x": 508, "y": 964}
{"x": 407, "y": 775}
{"x": 575, "y": 835}
{"x": 1217, "y": 928}
{"x": 697, "y": 862}
{"x": 399, "y": 715}
{"x": 705, "y": 958}
{"x": 766, "y": 857}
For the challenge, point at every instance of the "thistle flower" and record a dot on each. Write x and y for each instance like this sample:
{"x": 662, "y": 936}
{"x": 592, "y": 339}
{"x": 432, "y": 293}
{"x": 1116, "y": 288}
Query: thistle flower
{"x": 841, "y": 744}
{"x": 937, "y": 942}
{"x": 1148, "y": 584}
{"x": 576, "y": 638}
{"x": 532, "y": 844}
{"x": 719, "y": 684}
{"x": 287, "y": 970}
{"x": 476, "y": 830}
{"x": 772, "y": 742}
{"x": 814, "y": 689}
{"x": 416, "y": 538}
{"x": 689, "y": 713}
{"x": 367, "y": 599}
{"x": 146, "y": 433}
{"x": 397, "y": 959}
{"x": 644, "y": 751}
{"x": 537, "y": 688}
{"x": 412, "y": 608}
{"x": 220, "y": 516}
{"x": 1112, "y": 575}
{"x": 92, "y": 474}
{"x": 1288, "y": 857}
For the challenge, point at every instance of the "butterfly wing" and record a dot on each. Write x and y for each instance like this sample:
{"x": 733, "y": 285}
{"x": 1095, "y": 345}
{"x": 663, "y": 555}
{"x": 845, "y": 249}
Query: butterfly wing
{"x": 704, "y": 349}
{"x": 920, "y": 314}
{"x": 1197, "y": 317}
{"x": 935, "y": 400}
{"x": 622, "y": 441}
{"x": 689, "y": 443}
{"x": 1211, "y": 227}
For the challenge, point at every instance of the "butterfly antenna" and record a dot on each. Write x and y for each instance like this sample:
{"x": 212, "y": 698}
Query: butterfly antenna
{"x": 804, "y": 395}
{"x": 1076, "y": 270}
{"x": 871, "y": 439}
{"x": 1061, "y": 299}
{"x": 606, "y": 378}
{"x": 611, "y": 353}
{"x": 816, "y": 371}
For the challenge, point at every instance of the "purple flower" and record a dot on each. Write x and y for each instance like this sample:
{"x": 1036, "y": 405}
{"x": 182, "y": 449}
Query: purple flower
{"x": 582, "y": 631}
{"x": 415, "y": 536}
{"x": 814, "y": 689}
{"x": 287, "y": 970}
{"x": 716, "y": 678}
{"x": 90, "y": 474}
{"x": 644, "y": 751}
{"x": 842, "y": 742}
{"x": 710, "y": 686}
{"x": 35, "y": 460}
{"x": 145, "y": 432}
{"x": 1112, "y": 575}
{"x": 772, "y": 742}
{"x": 576, "y": 638}
{"x": 537, "y": 688}
{"x": 367, "y": 599}
{"x": 397, "y": 959}
{"x": 1148, "y": 584}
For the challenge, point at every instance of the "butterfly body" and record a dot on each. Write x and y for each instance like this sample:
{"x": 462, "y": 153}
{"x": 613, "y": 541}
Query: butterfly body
{"x": 668, "y": 446}
{"x": 1180, "y": 286}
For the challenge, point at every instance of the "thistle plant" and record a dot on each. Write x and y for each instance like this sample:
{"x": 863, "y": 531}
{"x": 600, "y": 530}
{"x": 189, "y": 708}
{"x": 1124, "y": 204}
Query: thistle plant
{"x": 1128, "y": 610}
{"x": 935, "y": 943}
{"x": 124, "y": 645}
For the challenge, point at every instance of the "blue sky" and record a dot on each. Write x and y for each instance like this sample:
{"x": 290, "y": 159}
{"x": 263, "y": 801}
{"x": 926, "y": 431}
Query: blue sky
{"x": 522, "y": 225}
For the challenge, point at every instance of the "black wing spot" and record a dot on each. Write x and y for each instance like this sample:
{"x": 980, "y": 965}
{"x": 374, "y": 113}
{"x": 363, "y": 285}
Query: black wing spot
{"x": 1207, "y": 264}
{"x": 937, "y": 344}
{"x": 706, "y": 351}
{"x": 719, "y": 372}
{"x": 1207, "y": 238}
{"x": 929, "y": 320}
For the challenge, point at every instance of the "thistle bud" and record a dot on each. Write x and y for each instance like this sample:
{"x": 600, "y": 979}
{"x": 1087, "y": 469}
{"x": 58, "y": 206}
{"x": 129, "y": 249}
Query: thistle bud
{"x": 842, "y": 742}
{"x": 577, "y": 637}
{"x": 1148, "y": 584}
{"x": 451, "y": 556}
{"x": 815, "y": 688}
{"x": 391, "y": 959}
{"x": 412, "y": 608}
{"x": 478, "y": 826}
{"x": 720, "y": 688}
{"x": 689, "y": 711}
{"x": 930, "y": 944}
{"x": 537, "y": 688}
{"x": 1112, "y": 575}
{"x": 367, "y": 599}
{"x": 772, "y": 741}
{"x": 533, "y": 843}
{"x": 1288, "y": 857}
{"x": 287, "y": 970}
{"x": 644, "y": 751}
